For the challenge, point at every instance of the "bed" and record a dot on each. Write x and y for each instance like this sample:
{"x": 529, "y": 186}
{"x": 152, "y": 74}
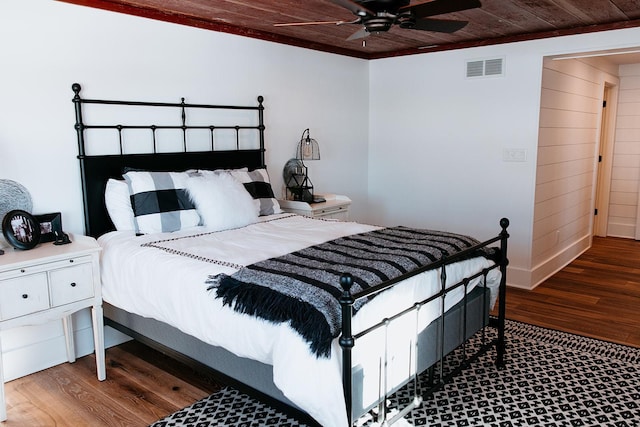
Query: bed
{"x": 189, "y": 289}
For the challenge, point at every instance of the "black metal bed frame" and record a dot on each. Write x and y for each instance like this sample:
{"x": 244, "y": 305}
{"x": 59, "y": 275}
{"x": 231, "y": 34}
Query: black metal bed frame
{"x": 96, "y": 169}
{"x": 347, "y": 300}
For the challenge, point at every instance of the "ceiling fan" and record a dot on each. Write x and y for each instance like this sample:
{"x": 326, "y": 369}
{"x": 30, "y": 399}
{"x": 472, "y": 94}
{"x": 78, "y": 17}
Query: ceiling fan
{"x": 378, "y": 16}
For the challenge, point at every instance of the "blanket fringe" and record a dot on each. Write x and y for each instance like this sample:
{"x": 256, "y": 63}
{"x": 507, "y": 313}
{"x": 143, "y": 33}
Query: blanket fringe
{"x": 255, "y": 300}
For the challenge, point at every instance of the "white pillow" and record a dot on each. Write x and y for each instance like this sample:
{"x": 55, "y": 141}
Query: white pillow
{"x": 222, "y": 201}
{"x": 118, "y": 203}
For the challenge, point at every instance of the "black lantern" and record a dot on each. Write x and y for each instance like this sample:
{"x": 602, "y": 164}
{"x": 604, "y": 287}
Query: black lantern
{"x": 296, "y": 173}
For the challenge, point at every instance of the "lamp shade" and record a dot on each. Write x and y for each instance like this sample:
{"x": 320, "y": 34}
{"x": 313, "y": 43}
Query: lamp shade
{"x": 308, "y": 148}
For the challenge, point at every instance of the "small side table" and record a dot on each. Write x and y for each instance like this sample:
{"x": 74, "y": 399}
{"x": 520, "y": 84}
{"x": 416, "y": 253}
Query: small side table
{"x": 335, "y": 207}
{"x": 48, "y": 283}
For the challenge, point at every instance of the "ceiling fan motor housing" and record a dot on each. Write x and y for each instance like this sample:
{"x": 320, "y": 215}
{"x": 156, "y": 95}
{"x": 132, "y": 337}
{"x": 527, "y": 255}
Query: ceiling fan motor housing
{"x": 381, "y": 22}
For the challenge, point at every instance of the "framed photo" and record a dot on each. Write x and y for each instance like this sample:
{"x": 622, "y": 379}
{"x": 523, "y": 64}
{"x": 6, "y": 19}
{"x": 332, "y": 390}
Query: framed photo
{"x": 21, "y": 229}
{"x": 50, "y": 226}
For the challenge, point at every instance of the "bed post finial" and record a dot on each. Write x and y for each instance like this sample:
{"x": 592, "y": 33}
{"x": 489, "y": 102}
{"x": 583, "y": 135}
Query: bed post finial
{"x": 346, "y": 281}
{"x": 76, "y": 88}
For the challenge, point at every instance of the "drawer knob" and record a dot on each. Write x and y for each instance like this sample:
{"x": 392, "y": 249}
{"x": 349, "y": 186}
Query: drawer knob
{"x": 73, "y": 284}
{"x": 25, "y": 296}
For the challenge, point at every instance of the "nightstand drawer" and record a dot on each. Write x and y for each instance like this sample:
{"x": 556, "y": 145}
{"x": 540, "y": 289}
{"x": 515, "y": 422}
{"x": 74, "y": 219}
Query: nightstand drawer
{"x": 71, "y": 284}
{"x": 337, "y": 212}
{"x": 36, "y": 268}
{"x": 24, "y": 295}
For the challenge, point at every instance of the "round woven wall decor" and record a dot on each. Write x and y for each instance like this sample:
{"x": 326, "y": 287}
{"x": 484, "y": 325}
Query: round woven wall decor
{"x": 13, "y": 196}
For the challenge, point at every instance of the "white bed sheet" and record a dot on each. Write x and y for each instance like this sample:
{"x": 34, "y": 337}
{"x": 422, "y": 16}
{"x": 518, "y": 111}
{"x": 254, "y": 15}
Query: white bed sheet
{"x": 169, "y": 285}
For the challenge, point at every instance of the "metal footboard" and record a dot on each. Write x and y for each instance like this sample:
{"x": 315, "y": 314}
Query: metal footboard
{"x": 348, "y": 339}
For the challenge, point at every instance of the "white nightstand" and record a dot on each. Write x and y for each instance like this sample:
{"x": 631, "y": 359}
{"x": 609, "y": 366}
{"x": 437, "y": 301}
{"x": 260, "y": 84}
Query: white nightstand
{"x": 52, "y": 282}
{"x": 335, "y": 206}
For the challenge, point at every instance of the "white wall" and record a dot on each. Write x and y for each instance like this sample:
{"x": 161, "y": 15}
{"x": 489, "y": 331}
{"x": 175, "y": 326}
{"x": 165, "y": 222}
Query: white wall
{"x": 45, "y": 46}
{"x": 437, "y": 139}
{"x": 442, "y": 135}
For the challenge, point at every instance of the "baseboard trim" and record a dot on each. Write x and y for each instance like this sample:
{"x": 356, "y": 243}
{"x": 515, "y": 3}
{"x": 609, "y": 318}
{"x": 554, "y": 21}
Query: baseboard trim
{"x": 552, "y": 265}
{"x": 528, "y": 279}
{"x": 519, "y": 278}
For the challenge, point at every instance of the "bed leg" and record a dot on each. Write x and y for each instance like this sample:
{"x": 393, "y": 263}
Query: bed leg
{"x": 431, "y": 375}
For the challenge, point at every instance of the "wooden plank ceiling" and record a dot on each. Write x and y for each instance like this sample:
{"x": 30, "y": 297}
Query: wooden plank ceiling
{"x": 496, "y": 21}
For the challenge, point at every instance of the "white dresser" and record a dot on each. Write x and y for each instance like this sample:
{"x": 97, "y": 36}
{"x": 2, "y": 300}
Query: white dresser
{"x": 48, "y": 283}
{"x": 335, "y": 207}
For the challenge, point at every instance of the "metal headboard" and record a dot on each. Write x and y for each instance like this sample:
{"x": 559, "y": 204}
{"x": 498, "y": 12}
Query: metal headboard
{"x": 95, "y": 170}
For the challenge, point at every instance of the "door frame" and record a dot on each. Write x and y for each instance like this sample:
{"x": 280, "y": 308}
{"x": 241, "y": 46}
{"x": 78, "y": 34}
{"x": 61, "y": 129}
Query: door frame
{"x": 605, "y": 146}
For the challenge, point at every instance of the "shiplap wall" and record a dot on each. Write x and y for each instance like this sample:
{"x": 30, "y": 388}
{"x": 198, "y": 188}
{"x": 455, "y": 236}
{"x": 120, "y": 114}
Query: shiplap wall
{"x": 625, "y": 180}
{"x": 570, "y": 113}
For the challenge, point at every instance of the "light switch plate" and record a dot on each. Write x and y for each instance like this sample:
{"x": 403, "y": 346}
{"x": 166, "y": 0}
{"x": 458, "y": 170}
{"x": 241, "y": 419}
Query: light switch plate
{"x": 514, "y": 155}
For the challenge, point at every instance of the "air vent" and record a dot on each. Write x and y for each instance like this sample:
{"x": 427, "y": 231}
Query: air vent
{"x": 475, "y": 68}
{"x": 485, "y": 67}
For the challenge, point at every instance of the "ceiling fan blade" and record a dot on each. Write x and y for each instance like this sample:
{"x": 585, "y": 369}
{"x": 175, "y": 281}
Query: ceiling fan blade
{"x": 438, "y": 25}
{"x": 360, "y": 34}
{"x": 299, "y": 24}
{"x": 439, "y": 7}
{"x": 354, "y": 7}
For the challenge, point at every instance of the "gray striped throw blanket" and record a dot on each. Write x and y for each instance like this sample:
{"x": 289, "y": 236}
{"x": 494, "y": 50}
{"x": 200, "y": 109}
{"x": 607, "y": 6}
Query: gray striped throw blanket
{"x": 303, "y": 287}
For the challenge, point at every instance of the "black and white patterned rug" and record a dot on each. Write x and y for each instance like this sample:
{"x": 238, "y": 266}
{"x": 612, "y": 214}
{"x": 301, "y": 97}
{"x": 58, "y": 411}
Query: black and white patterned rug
{"x": 551, "y": 379}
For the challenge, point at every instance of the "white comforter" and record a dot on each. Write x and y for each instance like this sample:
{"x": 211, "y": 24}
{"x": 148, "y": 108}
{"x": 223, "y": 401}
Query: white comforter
{"x": 169, "y": 285}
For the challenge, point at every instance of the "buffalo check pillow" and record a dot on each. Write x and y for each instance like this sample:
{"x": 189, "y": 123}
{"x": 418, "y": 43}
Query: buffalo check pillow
{"x": 258, "y": 185}
{"x": 160, "y": 201}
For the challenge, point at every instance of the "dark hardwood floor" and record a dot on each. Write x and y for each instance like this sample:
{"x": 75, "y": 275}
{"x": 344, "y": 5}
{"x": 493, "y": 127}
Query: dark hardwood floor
{"x": 142, "y": 386}
{"x": 598, "y": 295}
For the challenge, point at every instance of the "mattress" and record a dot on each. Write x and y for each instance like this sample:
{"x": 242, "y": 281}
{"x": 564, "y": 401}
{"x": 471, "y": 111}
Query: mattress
{"x": 164, "y": 276}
